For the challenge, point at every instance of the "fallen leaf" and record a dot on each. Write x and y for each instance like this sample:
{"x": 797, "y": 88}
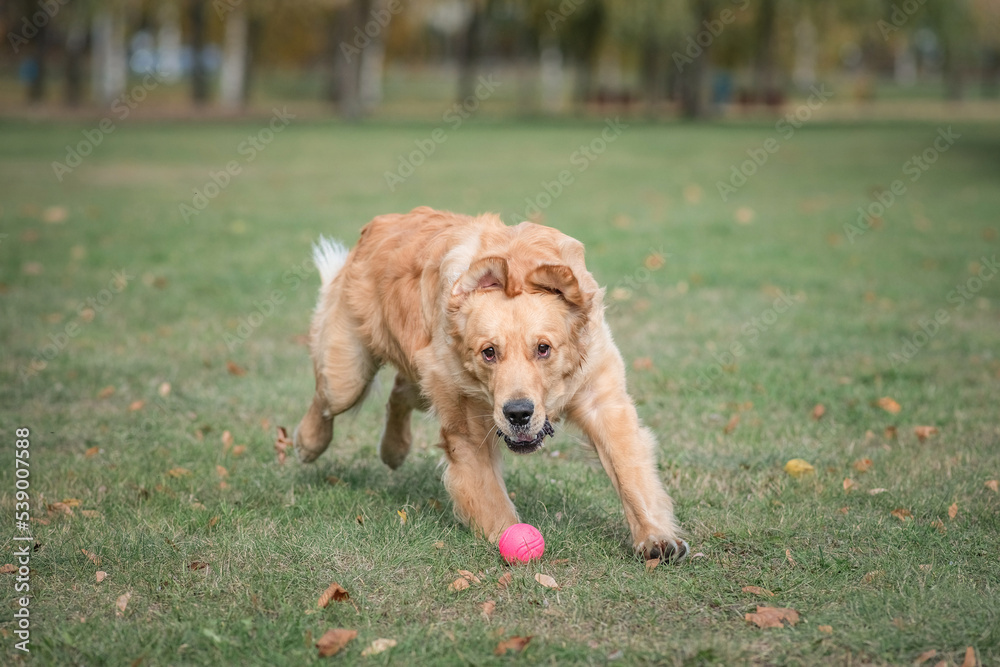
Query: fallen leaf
{"x": 849, "y": 484}
{"x": 94, "y": 558}
{"x": 8, "y": 569}
{"x": 458, "y": 585}
{"x": 642, "y": 364}
{"x": 101, "y": 575}
{"x": 799, "y": 467}
{"x": 334, "y": 592}
{"x": 333, "y": 640}
{"x": 122, "y": 602}
{"x": 237, "y": 370}
{"x": 546, "y": 580}
{"x": 889, "y": 405}
{"x": 512, "y": 644}
{"x": 378, "y": 646}
{"x": 970, "y": 657}
{"x": 470, "y": 577}
{"x": 90, "y": 514}
{"x": 198, "y": 506}
{"x": 924, "y": 432}
{"x": 993, "y": 485}
{"x": 360, "y": 519}
{"x": 891, "y": 432}
{"x": 227, "y": 440}
{"x": 902, "y": 513}
{"x": 92, "y": 452}
{"x": 654, "y": 261}
{"x": 744, "y": 215}
{"x": 439, "y": 545}
{"x": 197, "y": 565}
{"x": 844, "y": 510}
{"x": 504, "y": 581}
{"x": 211, "y": 522}
{"x": 239, "y": 450}
{"x": 732, "y": 424}
{"x": 55, "y": 214}
{"x": 818, "y": 411}
{"x": 488, "y": 608}
{"x": 871, "y": 576}
{"x": 772, "y": 617}
{"x": 164, "y": 389}
{"x": 57, "y": 508}
{"x": 875, "y": 492}
{"x": 71, "y": 502}
{"x": 788, "y": 556}
{"x": 221, "y": 471}
{"x": 924, "y": 657}
{"x": 862, "y": 465}
{"x": 925, "y": 567}
{"x": 939, "y": 525}
{"x": 135, "y": 406}
{"x": 402, "y": 516}
{"x": 178, "y": 472}
{"x": 651, "y": 564}
{"x": 825, "y": 629}
{"x": 953, "y": 510}
{"x": 757, "y": 590}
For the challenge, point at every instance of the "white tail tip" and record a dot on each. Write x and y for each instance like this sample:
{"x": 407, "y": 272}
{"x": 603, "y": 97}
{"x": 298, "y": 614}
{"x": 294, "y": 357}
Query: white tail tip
{"x": 329, "y": 257}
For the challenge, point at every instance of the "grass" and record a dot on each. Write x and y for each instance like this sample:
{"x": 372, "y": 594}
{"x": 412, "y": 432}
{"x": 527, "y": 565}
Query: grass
{"x": 275, "y": 536}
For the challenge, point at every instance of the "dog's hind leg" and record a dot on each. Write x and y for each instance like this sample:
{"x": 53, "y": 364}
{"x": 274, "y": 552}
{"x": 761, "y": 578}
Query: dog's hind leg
{"x": 344, "y": 370}
{"x": 396, "y": 437}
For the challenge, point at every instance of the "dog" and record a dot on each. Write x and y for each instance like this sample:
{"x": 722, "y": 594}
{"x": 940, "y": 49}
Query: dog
{"x": 500, "y": 331}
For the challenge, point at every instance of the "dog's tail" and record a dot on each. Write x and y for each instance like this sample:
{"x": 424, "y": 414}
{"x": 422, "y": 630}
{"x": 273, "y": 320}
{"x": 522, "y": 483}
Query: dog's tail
{"x": 329, "y": 257}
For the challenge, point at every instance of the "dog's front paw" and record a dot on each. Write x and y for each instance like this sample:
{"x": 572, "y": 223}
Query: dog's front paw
{"x": 668, "y": 549}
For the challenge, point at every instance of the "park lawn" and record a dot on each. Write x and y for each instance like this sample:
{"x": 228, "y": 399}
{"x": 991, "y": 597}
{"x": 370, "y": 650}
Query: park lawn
{"x": 691, "y": 278}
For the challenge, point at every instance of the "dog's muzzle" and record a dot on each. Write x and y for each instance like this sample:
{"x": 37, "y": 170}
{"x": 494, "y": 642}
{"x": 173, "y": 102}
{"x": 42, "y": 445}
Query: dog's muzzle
{"x": 528, "y": 446}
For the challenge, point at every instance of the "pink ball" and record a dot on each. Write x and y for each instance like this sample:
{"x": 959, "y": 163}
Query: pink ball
{"x": 521, "y": 543}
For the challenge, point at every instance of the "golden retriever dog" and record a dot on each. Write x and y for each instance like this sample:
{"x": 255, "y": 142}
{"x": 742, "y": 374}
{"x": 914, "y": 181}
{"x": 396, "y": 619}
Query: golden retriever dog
{"x": 499, "y": 331}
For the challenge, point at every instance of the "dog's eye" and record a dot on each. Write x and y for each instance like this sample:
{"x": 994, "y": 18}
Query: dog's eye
{"x": 543, "y": 350}
{"x": 489, "y": 354}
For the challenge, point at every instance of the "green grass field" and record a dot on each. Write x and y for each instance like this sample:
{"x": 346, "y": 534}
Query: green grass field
{"x": 91, "y": 380}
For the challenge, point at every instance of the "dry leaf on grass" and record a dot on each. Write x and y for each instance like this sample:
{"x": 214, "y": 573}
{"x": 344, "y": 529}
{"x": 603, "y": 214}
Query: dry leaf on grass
{"x": 178, "y": 472}
{"x": 799, "y": 467}
{"x": 757, "y": 590}
{"x": 772, "y": 617}
{"x": 221, "y": 471}
{"x": 651, "y": 564}
{"x": 902, "y": 513}
{"x": 993, "y": 485}
{"x": 378, "y": 646}
{"x": 90, "y": 514}
{"x": 891, "y": 432}
{"x": 8, "y": 568}
{"x": 227, "y": 440}
{"x": 334, "y": 592}
{"x": 953, "y": 510}
{"x": 164, "y": 389}
{"x": 875, "y": 492}
{"x": 488, "y": 608}
{"x": 281, "y": 444}
{"x": 239, "y": 450}
{"x": 825, "y": 629}
{"x": 924, "y": 432}
{"x": 844, "y": 510}
{"x": 871, "y": 576}
{"x": 924, "y": 657}
{"x": 92, "y": 452}
{"x": 197, "y": 565}
{"x": 504, "y": 581}
{"x": 235, "y": 369}
{"x": 849, "y": 484}
{"x": 101, "y": 575}
{"x": 642, "y": 364}
{"x": 135, "y": 406}
{"x": 471, "y": 578}
{"x": 925, "y": 567}
{"x": 458, "y": 585}
{"x": 333, "y": 640}
{"x": 732, "y": 424}
{"x": 862, "y": 465}
{"x": 788, "y": 556}
{"x": 889, "y": 405}
{"x": 402, "y": 516}
{"x": 122, "y": 602}
{"x": 970, "y": 657}
{"x": 939, "y": 524}
{"x": 94, "y": 558}
{"x": 512, "y": 644}
{"x": 546, "y": 580}
{"x": 818, "y": 411}
{"x": 107, "y": 392}
{"x": 71, "y": 502}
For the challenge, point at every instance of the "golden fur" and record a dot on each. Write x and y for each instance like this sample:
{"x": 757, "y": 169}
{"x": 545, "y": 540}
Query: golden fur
{"x": 500, "y": 331}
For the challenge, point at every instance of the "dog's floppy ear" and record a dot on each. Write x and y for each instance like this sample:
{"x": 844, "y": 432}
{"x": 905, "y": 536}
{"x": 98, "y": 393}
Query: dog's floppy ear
{"x": 488, "y": 273}
{"x": 559, "y": 279}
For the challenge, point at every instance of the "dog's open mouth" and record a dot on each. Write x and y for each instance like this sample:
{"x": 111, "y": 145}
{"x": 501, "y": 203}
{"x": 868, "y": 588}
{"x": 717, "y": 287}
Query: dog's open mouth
{"x": 528, "y": 446}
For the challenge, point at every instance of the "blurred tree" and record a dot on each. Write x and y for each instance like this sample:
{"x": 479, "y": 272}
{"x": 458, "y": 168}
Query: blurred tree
{"x": 108, "y": 55}
{"x": 199, "y": 71}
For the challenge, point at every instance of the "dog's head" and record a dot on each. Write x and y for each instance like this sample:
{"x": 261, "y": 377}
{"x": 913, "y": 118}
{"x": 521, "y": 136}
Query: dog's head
{"x": 521, "y": 338}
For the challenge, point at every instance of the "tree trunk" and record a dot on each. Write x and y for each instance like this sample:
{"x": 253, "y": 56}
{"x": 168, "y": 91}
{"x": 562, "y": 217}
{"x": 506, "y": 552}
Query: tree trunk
{"x": 199, "y": 74}
{"x": 691, "y": 79}
{"x": 653, "y": 75}
{"x": 108, "y": 65}
{"x": 764, "y": 73}
{"x": 346, "y": 49}
{"x": 235, "y": 58}
{"x": 36, "y": 87}
{"x": 76, "y": 44}
{"x": 469, "y": 53}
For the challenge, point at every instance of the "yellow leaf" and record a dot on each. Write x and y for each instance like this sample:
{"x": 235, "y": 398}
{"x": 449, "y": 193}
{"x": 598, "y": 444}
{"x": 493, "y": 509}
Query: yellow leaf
{"x": 458, "y": 585}
{"x": 799, "y": 467}
{"x": 178, "y": 472}
{"x": 94, "y": 558}
{"x": 546, "y": 580}
{"x": 402, "y": 516}
{"x": 757, "y": 590}
{"x": 849, "y": 484}
{"x": 862, "y": 465}
{"x": 135, "y": 406}
{"x": 924, "y": 432}
{"x": 92, "y": 452}
{"x": 889, "y": 405}
{"x": 513, "y": 644}
{"x": 825, "y": 629}
{"x": 468, "y": 576}
{"x": 902, "y": 513}
{"x": 772, "y": 617}
{"x": 333, "y": 640}
{"x": 378, "y": 646}
{"x": 732, "y": 424}
{"x": 993, "y": 485}
{"x": 953, "y": 510}
{"x": 334, "y": 592}
{"x": 71, "y": 502}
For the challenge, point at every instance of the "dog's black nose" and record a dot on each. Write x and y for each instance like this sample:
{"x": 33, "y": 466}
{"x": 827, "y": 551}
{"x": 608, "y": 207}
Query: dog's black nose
{"x": 518, "y": 412}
